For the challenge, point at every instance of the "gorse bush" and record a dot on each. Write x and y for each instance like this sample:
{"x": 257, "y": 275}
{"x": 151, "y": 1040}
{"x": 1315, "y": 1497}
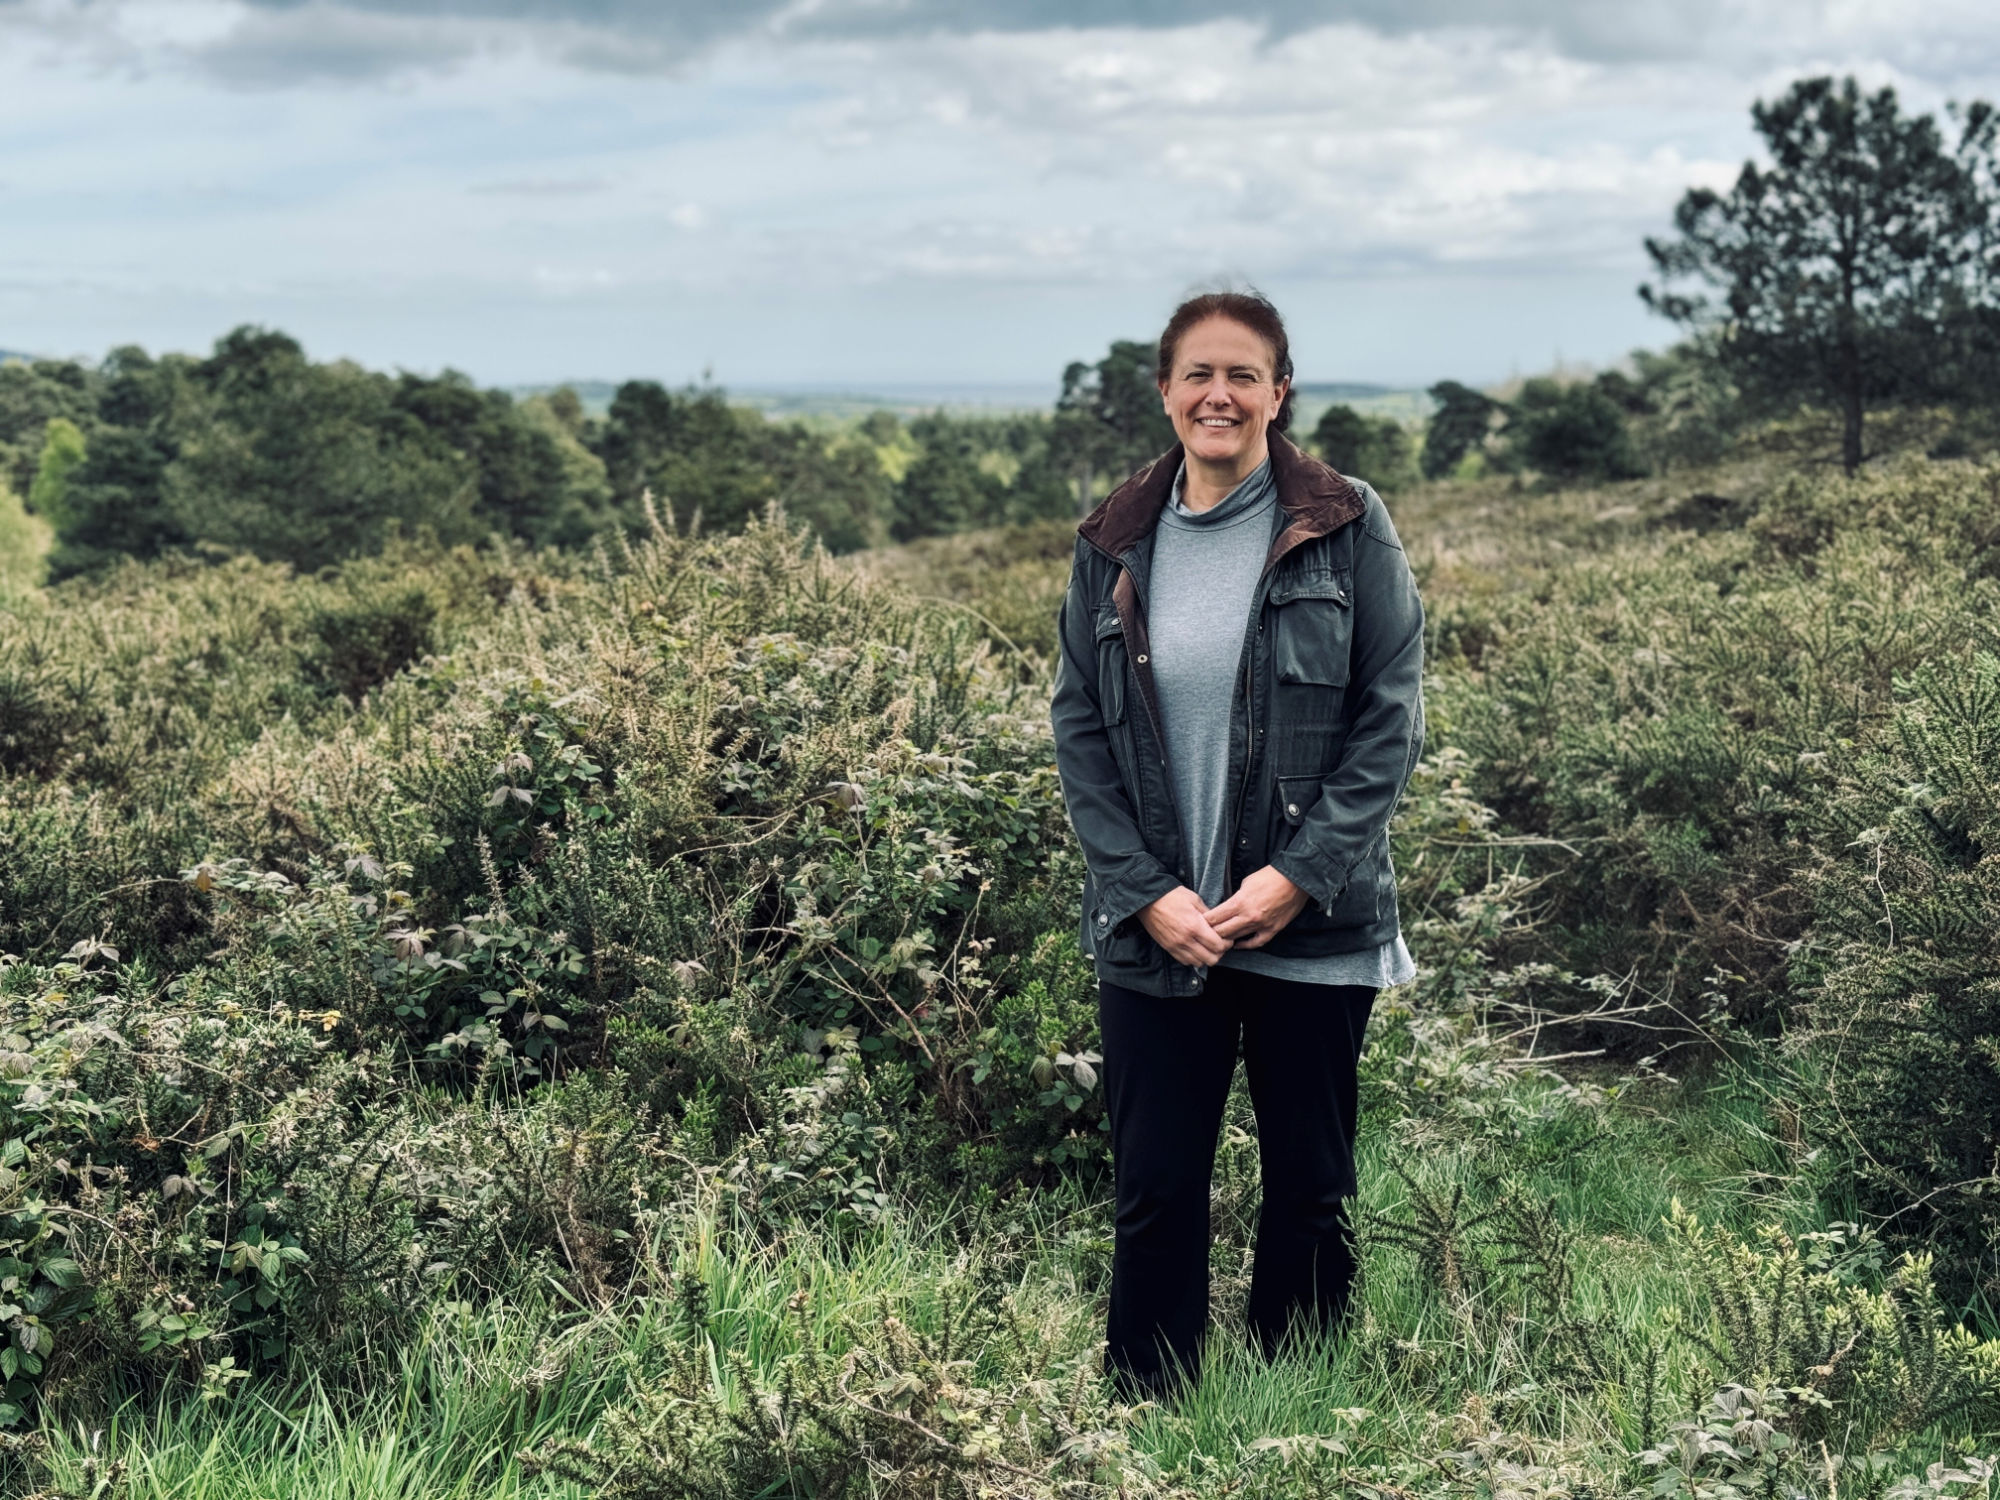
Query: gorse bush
{"x": 1667, "y": 706}
{"x": 776, "y": 844}
{"x": 472, "y": 935}
{"x": 1905, "y": 1004}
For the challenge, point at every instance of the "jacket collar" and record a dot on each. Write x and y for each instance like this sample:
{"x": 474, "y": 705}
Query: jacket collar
{"x": 1315, "y": 498}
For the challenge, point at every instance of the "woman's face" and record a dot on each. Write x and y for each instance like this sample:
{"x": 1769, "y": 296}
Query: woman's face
{"x": 1222, "y": 395}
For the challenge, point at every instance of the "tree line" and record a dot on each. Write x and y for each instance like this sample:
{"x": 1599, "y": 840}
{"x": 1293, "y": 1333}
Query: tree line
{"x": 258, "y": 448}
{"x": 1857, "y": 268}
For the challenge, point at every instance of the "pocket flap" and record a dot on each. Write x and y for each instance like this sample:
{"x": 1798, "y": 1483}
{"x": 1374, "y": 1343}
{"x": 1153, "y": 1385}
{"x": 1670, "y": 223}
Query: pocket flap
{"x": 1332, "y": 586}
{"x": 1108, "y": 622}
{"x": 1296, "y": 797}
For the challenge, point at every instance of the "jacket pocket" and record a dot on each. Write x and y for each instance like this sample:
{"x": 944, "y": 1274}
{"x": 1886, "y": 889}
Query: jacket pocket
{"x": 1361, "y": 903}
{"x": 1312, "y": 632}
{"x": 1111, "y": 665}
{"x": 1297, "y": 796}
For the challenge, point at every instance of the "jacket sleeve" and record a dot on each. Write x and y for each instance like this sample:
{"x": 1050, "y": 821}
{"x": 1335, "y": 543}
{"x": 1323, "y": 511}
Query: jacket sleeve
{"x": 1127, "y": 875}
{"x": 1386, "y": 727}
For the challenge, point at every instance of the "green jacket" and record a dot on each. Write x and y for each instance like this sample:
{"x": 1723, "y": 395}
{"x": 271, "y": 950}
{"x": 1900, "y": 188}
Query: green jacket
{"x": 1328, "y": 720}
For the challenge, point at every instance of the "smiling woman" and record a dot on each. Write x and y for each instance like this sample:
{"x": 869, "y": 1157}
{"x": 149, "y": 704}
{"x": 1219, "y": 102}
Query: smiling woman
{"x": 1238, "y": 709}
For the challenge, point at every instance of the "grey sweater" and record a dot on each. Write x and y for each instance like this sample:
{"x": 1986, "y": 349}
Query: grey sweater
{"x": 1205, "y": 570}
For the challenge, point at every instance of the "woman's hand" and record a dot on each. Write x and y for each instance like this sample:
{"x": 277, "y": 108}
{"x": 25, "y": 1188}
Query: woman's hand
{"x": 1179, "y": 922}
{"x": 1261, "y": 909}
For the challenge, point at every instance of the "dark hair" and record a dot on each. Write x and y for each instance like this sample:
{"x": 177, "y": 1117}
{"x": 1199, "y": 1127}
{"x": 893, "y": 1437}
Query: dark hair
{"x": 1255, "y": 312}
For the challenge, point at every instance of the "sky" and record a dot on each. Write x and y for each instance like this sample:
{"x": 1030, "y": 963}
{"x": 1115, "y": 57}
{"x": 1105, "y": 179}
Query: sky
{"x": 834, "y": 193}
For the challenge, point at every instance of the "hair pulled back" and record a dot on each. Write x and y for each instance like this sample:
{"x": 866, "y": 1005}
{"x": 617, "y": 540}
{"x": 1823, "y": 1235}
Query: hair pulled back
{"x": 1255, "y": 312}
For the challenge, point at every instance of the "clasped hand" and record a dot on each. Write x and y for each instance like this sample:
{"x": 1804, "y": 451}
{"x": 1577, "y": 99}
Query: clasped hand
{"x": 1195, "y": 933}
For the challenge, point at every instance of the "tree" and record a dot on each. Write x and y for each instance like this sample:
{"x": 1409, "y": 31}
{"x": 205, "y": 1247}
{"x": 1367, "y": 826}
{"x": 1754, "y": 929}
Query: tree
{"x": 1839, "y": 268}
{"x": 308, "y": 464}
{"x": 535, "y": 480}
{"x": 1109, "y": 420}
{"x": 1460, "y": 424}
{"x": 1571, "y": 432}
{"x": 945, "y": 488}
{"x": 31, "y": 394}
{"x": 1376, "y": 449}
{"x": 692, "y": 449}
{"x": 62, "y": 456}
{"x": 114, "y": 502}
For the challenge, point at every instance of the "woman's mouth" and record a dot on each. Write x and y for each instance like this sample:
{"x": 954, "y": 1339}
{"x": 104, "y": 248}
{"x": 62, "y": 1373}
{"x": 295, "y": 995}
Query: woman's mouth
{"x": 1217, "y": 422}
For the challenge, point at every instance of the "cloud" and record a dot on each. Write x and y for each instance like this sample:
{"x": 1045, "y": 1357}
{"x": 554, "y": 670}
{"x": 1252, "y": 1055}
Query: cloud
{"x": 281, "y": 43}
{"x": 1929, "y": 38}
{"x": 965, "y": 174}
{"x": 326, "y": 43}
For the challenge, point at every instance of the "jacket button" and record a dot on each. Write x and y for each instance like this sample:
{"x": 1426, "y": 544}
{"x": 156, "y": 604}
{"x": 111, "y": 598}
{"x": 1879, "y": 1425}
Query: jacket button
{"x": 1292, "y": 809}
{"x": 1244, "y": 842}
{"x": 1140, "y": 658}
{"x": 1102, "y": 920}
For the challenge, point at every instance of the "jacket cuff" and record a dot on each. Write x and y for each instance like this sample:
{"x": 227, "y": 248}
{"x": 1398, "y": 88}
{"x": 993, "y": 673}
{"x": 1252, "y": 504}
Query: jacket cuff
{"x": 1323, "y": 885}
{"x": 1118, "y": 903}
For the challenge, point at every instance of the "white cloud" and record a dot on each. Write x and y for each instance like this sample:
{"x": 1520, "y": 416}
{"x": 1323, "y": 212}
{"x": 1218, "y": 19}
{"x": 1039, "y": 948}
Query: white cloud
{"x": 773, "y": 170}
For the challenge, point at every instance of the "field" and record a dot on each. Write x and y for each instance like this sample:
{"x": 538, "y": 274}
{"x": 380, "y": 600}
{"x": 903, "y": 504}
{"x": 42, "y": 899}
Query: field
{"x": 492, "y": 1022}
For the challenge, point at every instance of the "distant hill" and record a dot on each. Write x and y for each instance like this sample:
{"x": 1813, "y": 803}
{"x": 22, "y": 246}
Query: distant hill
{"x": 909, "y": 399}
{"x": 842, "y": 402}
{"x": 15, "y": 356}
{"x": 1408, "y": 405}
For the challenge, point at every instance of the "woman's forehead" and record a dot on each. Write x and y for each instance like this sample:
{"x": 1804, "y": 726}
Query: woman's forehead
{"x": 1218, "y": 341}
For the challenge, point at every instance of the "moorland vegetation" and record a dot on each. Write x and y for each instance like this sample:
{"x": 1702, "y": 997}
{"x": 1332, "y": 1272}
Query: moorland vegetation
{"x": 524, "y": 1011}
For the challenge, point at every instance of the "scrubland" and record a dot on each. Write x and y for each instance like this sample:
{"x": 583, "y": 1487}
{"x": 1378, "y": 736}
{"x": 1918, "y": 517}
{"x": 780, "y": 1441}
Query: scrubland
{"x": 491, "y": 1022}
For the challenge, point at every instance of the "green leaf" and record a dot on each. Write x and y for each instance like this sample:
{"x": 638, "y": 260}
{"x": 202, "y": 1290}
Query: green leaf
{"x": 63, "y": 1271}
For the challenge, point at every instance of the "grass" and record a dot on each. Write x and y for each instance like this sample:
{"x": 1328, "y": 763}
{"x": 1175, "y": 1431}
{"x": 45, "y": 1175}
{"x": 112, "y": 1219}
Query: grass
{"x": 447, "y": 1414}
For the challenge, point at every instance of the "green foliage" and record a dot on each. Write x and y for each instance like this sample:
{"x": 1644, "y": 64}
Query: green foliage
{"x": 1570, "y": 432}
{"x": 1109, "y": 420}
{"x": 1666, "y": 707}
{"x": 370, "y": 636}
{"x": 62, "y": 454}
{"x": 1377, "y": 449}
{"x": 32, "y": 394}
{"x": 1460, "y": 425}
{"x": 1903, "y": 1089}
{"x": 535, "y": 480}
{"x": 307, "y": 463}
{"x": 902, "y": 1413}
{"x": 24, "y": 545}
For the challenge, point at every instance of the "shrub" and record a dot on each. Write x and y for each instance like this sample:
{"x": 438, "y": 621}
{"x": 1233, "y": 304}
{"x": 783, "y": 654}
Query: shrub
{"x": 1903, "y": 1001}
{"x": 1571, "y": 432}
{"x": 1665, "y": 706}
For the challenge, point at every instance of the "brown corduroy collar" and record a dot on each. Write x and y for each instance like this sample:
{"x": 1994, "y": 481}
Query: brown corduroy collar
{"x": 1316, "y": 500}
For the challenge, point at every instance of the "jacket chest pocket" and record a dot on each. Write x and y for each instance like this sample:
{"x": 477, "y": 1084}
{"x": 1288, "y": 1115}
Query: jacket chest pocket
{"x": 1312, "y": 629}
{"x": 1111, "y": 665}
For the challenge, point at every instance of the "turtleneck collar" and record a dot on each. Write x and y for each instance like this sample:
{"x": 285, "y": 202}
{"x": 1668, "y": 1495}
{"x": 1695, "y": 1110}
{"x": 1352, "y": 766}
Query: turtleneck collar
{"x": 1260, "y": 485}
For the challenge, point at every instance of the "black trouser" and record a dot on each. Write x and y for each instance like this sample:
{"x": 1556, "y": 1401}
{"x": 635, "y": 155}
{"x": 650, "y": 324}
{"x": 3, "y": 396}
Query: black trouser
{"x": 1168, "y": 1062}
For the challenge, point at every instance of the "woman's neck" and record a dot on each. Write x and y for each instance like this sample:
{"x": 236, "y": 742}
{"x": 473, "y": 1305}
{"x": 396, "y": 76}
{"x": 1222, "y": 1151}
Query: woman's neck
{"x": 1209, "y": 482}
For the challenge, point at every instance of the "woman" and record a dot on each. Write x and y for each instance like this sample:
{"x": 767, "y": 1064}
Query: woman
{"x": 1238, "y": 707}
